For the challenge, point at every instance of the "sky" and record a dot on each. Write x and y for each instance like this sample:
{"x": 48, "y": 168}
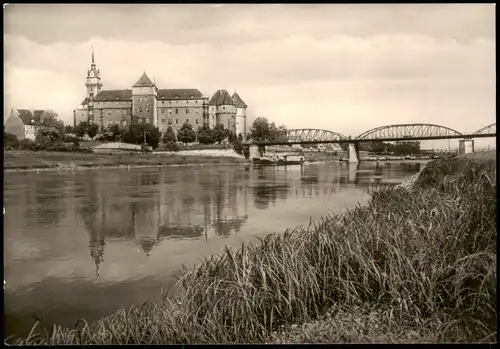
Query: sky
{"x": 345, "y": 68}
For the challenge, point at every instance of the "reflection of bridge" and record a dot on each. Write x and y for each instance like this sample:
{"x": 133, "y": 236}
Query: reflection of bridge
{"x": 389, "y": 133}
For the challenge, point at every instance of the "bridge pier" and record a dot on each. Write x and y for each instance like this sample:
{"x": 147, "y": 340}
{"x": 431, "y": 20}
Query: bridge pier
{"x": 465, "y": 146}
{"x": 254, "y": 152}
{"x": 353, "y": 153}
{"x": 353, "y": 172}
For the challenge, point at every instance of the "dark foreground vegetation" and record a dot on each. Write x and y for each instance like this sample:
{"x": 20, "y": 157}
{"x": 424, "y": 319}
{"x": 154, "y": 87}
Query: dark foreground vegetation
{"x": 414, "y": 265}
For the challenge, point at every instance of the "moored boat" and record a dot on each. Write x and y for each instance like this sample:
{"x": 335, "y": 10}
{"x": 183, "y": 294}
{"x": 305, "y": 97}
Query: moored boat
{"x": 279, "y": 160}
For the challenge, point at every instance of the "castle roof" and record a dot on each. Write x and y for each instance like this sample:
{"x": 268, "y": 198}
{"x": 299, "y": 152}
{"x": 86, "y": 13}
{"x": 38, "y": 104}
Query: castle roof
{"x": 221, "y": 97}
{"x": 238, "y": 101}
{"x": 165, "y": 94}
{"x": 144, "y": 81}
{"x": 28, "y": 117}
{"x": 186, "y": 93}
{"x": 113, "y": 95}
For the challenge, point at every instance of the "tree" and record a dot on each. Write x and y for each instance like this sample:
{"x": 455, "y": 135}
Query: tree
{"x": 10, "y": 140}
{"x": 81, "y": 129}
{"x": 69, "y": 129}
{"x": 114, "y": 132}
{"x": 49, "y": 119}
{"x": 136, "y": 133}
{"x": 205, "y": 135}
{"x": 281, "y": 134}
{"x": 231, "y": 137}
{"x": 238, "y": 147}
{"x": 153, "y": 135}
{"x": 240, "y": 137}
{"x": 405, "y": 148}
{"x": 261, "y": 129}
{"x": 186, "y": 134}
{"x": 92, "y": 130}
{"x": 48, "y": 135}
{"x": 219, "y": 133}
{"x": 169, "y": 135}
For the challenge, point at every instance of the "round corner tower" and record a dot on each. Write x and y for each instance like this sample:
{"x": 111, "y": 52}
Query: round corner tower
{"x": 241, "y": 115}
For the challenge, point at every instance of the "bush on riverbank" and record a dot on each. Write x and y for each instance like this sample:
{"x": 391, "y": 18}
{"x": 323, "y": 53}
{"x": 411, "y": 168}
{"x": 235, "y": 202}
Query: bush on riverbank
{"x": 413, "y": 265}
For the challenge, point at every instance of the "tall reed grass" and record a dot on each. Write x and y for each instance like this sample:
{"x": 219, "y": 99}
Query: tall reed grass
{"x": 421, "y": 258}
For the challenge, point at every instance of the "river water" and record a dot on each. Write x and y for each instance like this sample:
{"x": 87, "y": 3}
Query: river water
{"x": 82, "y": 244}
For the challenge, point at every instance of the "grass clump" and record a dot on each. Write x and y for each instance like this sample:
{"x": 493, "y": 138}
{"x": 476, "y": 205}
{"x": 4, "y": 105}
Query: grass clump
{"x": 414, "y": 265}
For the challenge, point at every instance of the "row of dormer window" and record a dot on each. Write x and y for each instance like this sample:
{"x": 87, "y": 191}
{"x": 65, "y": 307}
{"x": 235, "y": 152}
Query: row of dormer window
{"x": 146, "y": 121}
{"x": 170, "y": 111}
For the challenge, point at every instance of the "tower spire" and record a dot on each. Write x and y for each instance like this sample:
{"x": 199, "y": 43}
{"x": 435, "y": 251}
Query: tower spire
{"x": 92, "y": 54}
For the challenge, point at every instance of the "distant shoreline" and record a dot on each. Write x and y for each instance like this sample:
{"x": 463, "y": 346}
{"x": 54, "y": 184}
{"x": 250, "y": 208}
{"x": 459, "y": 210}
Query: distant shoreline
{"x": 29, "y": 161}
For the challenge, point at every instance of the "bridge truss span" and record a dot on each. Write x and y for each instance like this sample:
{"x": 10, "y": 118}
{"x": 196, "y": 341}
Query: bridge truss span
{"x": 410, "y": 131}
{"x": 491, "y": 128}
{"x": 313, "y": 135}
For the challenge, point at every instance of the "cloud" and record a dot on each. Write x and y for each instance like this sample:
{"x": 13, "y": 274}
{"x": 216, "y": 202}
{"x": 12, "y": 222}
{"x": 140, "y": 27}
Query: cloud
{"x": 240, "y": 24}
{"x": 346, "y": 70}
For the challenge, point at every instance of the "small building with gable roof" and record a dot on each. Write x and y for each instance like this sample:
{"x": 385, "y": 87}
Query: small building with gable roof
{"x": 24, "y": 123}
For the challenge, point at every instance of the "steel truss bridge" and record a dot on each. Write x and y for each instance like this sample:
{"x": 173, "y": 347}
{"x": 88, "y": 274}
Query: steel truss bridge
{"x": 389, "y": 133}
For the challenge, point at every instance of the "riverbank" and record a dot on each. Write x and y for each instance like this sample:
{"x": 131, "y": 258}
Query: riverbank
{"x": 413, "y": 265}
{"x": 16, "y": 160}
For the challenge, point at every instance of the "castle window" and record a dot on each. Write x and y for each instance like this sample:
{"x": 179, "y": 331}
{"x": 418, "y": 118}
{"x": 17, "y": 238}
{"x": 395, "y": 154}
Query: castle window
{"x": 170, "y": 111}
{"x": 169, "y": 102}
{"x": 163, "y": 111}
{"x": 197, "y": 111}
{"x": 187, "y": 110}
{"x": 139, "y": 99}
{"x": 139, "y": 121}
{"x": 140, "y": 109}
{"x": 197, "y": 122}
{"x": 147, "y": 109}
{"x": 109, "y": 113}
{"x": 170, "y": 121}
{"x": 124, "y": 122}
{"x": 176, "y": 111}
{"x": 163, "y": 121}
{"x": 147, "y": 121}
{"x": 196, "y": 101}
{"x": 223, "y": 108}
{"x": 176, "y": 121}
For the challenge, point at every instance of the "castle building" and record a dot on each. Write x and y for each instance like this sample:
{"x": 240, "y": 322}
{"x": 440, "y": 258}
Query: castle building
{"x": 146, "y": 103}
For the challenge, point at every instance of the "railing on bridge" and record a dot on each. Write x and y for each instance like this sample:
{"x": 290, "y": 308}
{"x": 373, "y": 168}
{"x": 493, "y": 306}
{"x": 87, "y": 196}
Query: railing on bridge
{"x": 382, "y": 133}
{"x": 491, "y": 128}
{"x": 403, "y": 131}
{"x": 302, "y": 135}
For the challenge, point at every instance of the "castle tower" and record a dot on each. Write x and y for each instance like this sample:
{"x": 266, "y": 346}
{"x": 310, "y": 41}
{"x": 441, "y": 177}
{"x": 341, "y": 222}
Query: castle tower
{"x": 94, "y": 86}
{"x": 145, "y": 101}
{"x": 222, "y": 106}
{"x": 206, "y": 117}
{"x": 241, "y": 115}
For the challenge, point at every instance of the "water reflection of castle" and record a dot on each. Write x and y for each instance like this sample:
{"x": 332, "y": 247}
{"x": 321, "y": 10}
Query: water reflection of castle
{"x": 146, "y": 208}
{"x": 155, "y": 206}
